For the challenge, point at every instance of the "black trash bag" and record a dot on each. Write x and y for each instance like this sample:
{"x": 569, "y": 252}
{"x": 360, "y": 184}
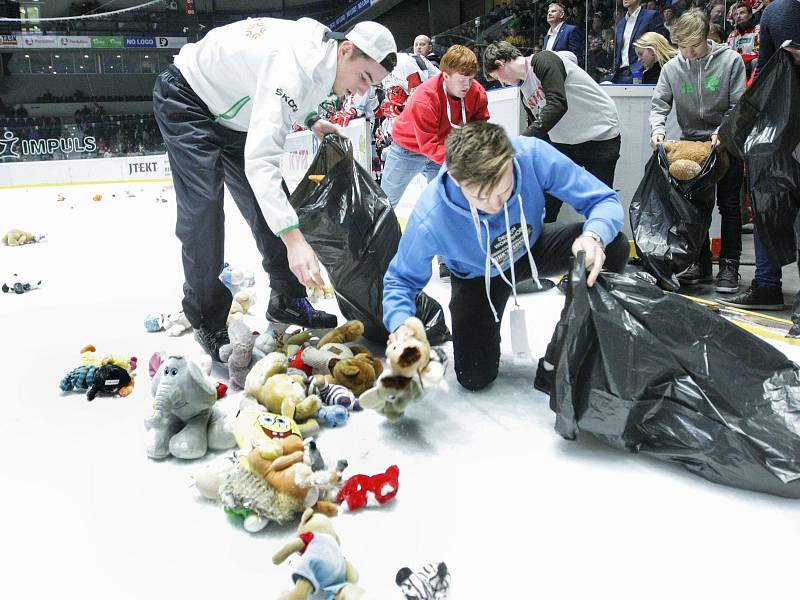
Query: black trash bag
{"x": 670, "y": 218}
{"x": 351, "y": 226}
{"x": 655, "y": 373}
{"x": 763, "y": 130}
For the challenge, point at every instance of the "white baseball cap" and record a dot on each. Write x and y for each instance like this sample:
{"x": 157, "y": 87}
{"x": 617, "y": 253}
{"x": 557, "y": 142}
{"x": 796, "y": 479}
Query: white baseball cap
{"x": 373, "y": 39}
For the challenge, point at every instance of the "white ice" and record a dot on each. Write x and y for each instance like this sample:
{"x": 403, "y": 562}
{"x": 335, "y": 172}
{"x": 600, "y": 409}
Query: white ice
{"x": 486, "y": 484}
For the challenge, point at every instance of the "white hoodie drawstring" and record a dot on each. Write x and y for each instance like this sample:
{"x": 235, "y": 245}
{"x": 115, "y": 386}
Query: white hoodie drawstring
{"x": 492, "y": 261}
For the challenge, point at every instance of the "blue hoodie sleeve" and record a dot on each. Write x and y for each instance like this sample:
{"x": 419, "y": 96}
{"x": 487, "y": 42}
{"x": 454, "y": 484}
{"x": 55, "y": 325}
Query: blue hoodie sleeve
{"x": 408, "y": 273}
{"x": 573, "y": 184}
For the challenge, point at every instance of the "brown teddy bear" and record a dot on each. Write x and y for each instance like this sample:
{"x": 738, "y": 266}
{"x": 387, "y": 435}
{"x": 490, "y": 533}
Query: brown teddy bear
{"x": 686, "y": 159}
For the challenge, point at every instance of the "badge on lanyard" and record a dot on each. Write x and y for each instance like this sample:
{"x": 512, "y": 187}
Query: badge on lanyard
{"x": 520, "y": 347}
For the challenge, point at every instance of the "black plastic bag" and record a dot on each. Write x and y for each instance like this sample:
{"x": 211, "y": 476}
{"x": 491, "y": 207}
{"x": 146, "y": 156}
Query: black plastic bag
{"x": 351, "y": 226}
{"x": 655, "y": 373}
{"x": 763, "y": 130}
{"x": 670, "y": 218}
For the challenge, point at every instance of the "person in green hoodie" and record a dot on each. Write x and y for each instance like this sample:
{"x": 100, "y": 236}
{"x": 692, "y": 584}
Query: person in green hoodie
{"x": 704, "y": 81}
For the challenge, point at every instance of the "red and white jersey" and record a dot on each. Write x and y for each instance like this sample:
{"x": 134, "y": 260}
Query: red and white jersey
{"x": 745, "y": 43}
{"x": 407, "y": 74}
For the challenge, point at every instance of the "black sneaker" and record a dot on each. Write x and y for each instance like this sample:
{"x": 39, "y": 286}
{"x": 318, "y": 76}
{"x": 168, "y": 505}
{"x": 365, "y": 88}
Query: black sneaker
{"x": 298, "y": 311}
{"x": 756, "y": 298}
{"x": 212, "y": 341}
{"x": 544, "y": 378}
{"x": 696, "y": 274}
{"x": 728, "y": 276}
{"x": 528, "y": 286}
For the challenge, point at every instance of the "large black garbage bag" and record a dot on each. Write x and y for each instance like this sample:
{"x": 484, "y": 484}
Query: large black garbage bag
{"x": 670, "y": 218}
{"x": 351, "y": 226}
{"x": 763, "y": 130}
{"x": 655, "y": 373}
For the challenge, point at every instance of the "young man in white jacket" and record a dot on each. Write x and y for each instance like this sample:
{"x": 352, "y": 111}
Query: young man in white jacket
{"x": 225, "y": 108}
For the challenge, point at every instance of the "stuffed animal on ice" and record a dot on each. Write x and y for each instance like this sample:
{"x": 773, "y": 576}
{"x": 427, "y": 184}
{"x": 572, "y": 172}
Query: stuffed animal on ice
{"x": 343, "y": 362}
{"x": 269, "y": 385}
{"x": 412, "y": 365}
{"x": 185, "y": 421}
{"x": 322, "y": 567}
{"x": 176, "y": 324}
{"x": 276, "y": 476}
{"x": 238, "y": 354}
{"x": 19, "y": 286}
{"x": 686, "y": 159}
{"x": 17, "y": 237}
{"x": 107, "y": 374}
{"x": 358, "y": 490}
{"x": 240, "y": 305}
{"x": 431, "y": 582}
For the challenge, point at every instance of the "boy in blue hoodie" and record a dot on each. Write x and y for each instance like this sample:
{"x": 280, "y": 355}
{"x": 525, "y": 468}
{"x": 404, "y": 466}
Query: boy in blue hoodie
{"x": 483, "y": 216}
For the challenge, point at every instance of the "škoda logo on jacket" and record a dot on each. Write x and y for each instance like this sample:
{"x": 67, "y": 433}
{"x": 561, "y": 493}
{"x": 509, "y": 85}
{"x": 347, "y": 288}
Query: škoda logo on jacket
{"x": 289, "y": 101}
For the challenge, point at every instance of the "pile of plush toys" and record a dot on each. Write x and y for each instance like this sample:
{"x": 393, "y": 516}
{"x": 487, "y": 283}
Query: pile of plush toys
{"x": 291, "y": 384}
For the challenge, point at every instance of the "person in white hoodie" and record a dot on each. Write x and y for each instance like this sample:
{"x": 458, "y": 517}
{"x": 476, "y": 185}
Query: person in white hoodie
{"x": 224, "y": 109}
{"x": 704, "y": 81}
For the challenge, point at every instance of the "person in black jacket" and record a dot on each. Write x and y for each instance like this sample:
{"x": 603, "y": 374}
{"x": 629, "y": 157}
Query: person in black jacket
{"x": 653, "y": 50}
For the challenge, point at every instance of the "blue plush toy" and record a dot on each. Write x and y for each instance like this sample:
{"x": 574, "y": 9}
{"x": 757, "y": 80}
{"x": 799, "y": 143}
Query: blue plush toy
{"x": 235, "y": 279}
{"x": 80, "y": 378}
{"x": 154, "y": 322}
{"x": 334, "y": 415}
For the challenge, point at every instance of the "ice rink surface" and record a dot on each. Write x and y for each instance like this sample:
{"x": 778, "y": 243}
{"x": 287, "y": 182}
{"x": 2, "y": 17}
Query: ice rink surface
{"x": 486, "y": 484}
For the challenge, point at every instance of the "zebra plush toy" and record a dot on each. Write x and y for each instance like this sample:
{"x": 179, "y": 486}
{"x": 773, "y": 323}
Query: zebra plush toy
{"x": 431, "y": 582}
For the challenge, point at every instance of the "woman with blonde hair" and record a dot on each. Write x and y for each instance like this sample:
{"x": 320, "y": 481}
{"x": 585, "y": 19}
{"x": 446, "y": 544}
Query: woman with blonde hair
{"x": 653, "y": 51}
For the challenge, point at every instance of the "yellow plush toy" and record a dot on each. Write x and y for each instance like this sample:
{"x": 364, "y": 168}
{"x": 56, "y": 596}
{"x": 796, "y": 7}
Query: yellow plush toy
{"x": 17, "y": 237}
{"x": 242, "y": 301}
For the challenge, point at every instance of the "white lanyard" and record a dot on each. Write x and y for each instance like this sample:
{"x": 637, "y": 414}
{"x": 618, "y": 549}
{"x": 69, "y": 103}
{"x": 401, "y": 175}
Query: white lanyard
{"x": 450, "y": 114}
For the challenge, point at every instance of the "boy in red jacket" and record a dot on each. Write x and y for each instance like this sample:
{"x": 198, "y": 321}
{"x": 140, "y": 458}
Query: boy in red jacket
{"x": 450, "y": 99}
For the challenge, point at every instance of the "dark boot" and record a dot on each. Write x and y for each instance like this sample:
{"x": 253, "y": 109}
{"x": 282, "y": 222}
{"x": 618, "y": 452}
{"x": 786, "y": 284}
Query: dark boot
{"x": 728, "y": 276}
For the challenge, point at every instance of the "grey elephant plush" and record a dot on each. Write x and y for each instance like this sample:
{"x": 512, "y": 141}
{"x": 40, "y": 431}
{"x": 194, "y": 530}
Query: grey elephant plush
{"x": 185, "y": 421}
{"x": 239, "y": 354}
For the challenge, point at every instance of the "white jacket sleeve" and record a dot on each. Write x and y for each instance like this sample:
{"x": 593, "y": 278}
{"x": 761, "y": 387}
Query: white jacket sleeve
{"x": 281, "y": 88}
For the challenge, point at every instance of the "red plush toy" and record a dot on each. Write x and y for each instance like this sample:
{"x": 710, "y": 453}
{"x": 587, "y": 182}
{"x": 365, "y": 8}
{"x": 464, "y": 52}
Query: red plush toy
{"x": 297, "y": 363}
{"x": 383, "y": 487}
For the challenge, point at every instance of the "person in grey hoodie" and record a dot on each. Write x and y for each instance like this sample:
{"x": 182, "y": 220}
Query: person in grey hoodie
{"x": 704, "y": 82}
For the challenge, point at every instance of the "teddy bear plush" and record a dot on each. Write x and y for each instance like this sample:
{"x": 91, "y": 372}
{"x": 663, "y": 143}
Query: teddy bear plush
{"x": 17, "y": 237}
{"x": 242, "y": 301}
{"x": 322, "y": 567}
{"x": 686, "y": 159}
{"x": 238, "y": 354}
{"x": 411, "y": 365}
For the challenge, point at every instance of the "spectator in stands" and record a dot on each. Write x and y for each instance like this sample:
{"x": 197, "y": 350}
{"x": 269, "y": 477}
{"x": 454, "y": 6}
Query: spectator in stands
{"x": 569, "y": 109}
{"x": 716, "y": 14}
{"x": 424, "y": 47}
{"x": 716, "y": 33}
{"x": 515, "y": 37}
{"x": 653, "y": 51}
{"x": 598, "y": 61}
{"x": 562, "y": 36}
{"x": 473, "y": 214}
{"x": 671, "y": 15}
{"x": 450, "y": 99}
{"x": 780, "y": 21}
{"x": 704, "y": 82}
{"x": 222, "y": 125}
{"x": 598, "y": 24}
{"x": 744, "y": 37}
{"x": 636, "y": 22}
